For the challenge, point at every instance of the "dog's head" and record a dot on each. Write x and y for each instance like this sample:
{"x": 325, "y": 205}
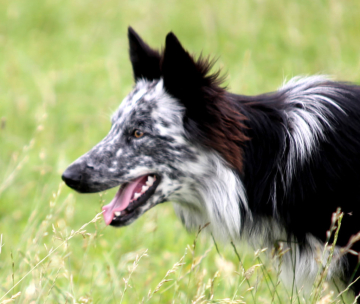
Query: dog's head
{"x": 161, "y": 135}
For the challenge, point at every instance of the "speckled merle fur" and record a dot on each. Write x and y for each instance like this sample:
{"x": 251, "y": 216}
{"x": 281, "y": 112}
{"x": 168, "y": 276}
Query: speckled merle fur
{"x": 269, "y": 167}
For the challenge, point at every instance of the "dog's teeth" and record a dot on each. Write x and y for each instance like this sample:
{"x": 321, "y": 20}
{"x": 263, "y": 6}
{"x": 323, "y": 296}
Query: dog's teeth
{"x": 117, "y": 213}
{"x": 137, "y": 195}
{"x": 150, "y": 181}
{"x": 144, "y": 188}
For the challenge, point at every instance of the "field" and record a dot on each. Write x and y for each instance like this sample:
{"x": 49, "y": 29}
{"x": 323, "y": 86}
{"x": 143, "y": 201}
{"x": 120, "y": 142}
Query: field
{"x": 64, "y": 69}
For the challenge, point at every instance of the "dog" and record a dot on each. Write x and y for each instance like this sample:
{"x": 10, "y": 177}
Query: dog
{"x": 267, "y": 167}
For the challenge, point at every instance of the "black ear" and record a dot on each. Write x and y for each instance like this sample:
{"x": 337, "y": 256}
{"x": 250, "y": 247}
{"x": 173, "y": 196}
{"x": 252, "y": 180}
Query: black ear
{"x": 145, "y": 61}
{"x": 182, "y": 75}
{"x": 209, "y": 116}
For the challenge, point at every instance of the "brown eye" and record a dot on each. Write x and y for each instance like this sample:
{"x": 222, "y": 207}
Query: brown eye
{"x": 137, "y": 133}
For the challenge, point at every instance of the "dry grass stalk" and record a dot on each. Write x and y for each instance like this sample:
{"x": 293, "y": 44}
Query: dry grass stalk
{"x": 12, "y": 299}
{"x": 134, "y": 266}
{"x": 198, "y": 262}
{"x": 51, "y": 251}
{"x": 165, "y": 279}
{"x": 278, "y": 254}
{"x": 323, "y": 270}
{"x": 25, "y": 157}
{"x": 347, "y": 288}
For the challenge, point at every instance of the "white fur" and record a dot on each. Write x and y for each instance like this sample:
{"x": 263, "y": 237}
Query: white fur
{"x": 306, "y": 118}
{"x": 310, "y": 263}
{"x": 216, "y": 198}
{"x": 304, "y": 265}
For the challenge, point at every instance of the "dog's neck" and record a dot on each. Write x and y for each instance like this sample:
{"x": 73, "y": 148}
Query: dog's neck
{"x": 214, "y": 199}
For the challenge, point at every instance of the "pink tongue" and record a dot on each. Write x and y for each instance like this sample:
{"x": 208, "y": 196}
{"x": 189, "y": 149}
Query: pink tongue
{"x": 121, "y": 199}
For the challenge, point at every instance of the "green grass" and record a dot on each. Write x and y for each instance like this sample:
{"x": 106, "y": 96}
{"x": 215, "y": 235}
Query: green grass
{"x": 64, "y": 69}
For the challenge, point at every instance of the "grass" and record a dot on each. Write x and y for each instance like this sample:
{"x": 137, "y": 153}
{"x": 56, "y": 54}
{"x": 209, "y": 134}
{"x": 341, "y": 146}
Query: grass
{"x": 63, "y": 69}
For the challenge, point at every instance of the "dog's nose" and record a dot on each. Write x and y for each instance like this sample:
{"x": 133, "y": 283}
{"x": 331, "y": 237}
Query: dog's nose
{"x": 73, "y": 176}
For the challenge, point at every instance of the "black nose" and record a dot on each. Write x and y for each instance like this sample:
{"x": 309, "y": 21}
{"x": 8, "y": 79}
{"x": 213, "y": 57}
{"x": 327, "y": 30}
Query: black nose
{"x": 73, "y": 176}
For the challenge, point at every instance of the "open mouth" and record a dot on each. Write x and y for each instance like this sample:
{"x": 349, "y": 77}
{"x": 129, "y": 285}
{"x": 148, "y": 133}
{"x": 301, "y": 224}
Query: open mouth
{"x": 130, "y": 196}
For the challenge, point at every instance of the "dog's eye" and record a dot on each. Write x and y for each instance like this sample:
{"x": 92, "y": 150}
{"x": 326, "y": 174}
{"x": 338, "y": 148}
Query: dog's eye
{"x": 138, "y": 133}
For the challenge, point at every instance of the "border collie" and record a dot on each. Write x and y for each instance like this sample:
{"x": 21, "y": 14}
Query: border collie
{"x": 268, "y": 167}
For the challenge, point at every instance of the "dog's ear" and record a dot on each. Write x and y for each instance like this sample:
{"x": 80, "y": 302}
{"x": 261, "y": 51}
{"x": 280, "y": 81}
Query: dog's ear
{"x": 209, "y": 116}
{"x": 145, "y": 61}
{"x": 181, "y": 73}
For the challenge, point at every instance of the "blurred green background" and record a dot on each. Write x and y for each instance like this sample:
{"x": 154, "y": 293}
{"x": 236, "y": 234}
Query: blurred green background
{"x": 64, "y": 69}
